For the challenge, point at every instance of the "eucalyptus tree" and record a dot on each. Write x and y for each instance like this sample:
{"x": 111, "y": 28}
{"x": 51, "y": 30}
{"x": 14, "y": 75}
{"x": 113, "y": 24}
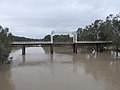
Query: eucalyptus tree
{"x": 116, "y": 30}
{"x": 92, "y": 31}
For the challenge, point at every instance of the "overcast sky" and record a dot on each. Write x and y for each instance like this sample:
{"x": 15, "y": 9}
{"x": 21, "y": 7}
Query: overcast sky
{"x": 37, "y": 18}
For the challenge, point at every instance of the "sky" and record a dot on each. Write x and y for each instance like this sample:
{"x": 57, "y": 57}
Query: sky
{"x": 37, "y": 18}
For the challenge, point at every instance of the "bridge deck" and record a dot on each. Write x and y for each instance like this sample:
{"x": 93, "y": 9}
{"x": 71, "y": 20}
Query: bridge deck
{"x": 59, "y": 43}
{"x": 29, "y": 43}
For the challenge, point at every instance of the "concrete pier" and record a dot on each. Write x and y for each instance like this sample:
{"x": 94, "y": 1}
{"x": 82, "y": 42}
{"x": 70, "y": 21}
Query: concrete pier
{"x": 23, "y": 50}
{"x": 51, "y": 48}
{"x": 75, "y": 48}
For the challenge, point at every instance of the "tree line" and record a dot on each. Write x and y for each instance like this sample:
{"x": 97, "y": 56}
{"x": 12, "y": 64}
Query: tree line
{"x": 102, "y": 30}
{"x": 58, "y": 38}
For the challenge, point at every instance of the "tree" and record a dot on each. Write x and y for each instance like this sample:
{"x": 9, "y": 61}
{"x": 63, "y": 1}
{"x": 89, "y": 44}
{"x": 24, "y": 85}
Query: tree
{"x": 116, "y": 31}
{"x": 99, "y": 30}
{"x": 46, "y": 38}
{"x": 4, "y": 44}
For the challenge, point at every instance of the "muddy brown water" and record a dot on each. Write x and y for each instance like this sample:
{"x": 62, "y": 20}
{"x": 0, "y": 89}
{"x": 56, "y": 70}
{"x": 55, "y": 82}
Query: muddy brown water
{"x": 39, "y": 70}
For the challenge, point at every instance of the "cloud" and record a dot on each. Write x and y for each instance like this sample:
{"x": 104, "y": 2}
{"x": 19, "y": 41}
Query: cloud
{"x": 36, "y": 18}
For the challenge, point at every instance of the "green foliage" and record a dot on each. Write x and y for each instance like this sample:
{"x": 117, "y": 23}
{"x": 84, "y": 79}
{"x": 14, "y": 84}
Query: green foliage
{"x": 4, "y": 53}
{"x": 108, "y": 30}
{"x": 62, "y": 38}
{"x": 46, "y": 38}
{"x": 4, "y": 44}
{"x": 58, "y": 38}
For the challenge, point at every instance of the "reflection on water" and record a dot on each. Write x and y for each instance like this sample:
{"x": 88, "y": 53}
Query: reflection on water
{"x": 5, "y": 78}
{"x": 115, "y": 54}
{"x": 39, "y": 70}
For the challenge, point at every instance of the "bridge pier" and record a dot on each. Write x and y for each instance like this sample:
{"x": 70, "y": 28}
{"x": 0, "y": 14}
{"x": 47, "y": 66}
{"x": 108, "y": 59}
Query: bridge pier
{"x": 99, "y": 47}
{"x": 23, "y": 50}
{"x": 51, "y": 48}
{"x": 74, "y": 48}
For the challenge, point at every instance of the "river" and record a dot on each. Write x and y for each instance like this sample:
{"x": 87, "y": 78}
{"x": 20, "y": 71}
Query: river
{"x": 39, "y": 70}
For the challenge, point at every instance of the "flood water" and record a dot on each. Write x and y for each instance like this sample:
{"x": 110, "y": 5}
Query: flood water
{"x": 39, "y": 70}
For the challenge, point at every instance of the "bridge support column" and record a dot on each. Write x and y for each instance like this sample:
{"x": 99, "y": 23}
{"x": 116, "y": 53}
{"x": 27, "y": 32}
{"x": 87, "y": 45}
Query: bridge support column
{"x": 99, "y": 48}
{"x": 51, "y": 48}
{"x": 23, "y": 50}
{"x": 75, "y": 48}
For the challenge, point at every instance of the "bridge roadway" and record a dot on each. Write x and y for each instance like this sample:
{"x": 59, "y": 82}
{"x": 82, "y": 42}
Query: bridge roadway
{"x": 59, "y": 43}
{"x": 24, "y": 44}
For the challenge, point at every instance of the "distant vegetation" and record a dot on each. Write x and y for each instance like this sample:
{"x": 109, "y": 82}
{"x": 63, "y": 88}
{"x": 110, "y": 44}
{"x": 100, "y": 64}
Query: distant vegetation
{"x": 58, "y": 38}
{"x": 17, "y": 38}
